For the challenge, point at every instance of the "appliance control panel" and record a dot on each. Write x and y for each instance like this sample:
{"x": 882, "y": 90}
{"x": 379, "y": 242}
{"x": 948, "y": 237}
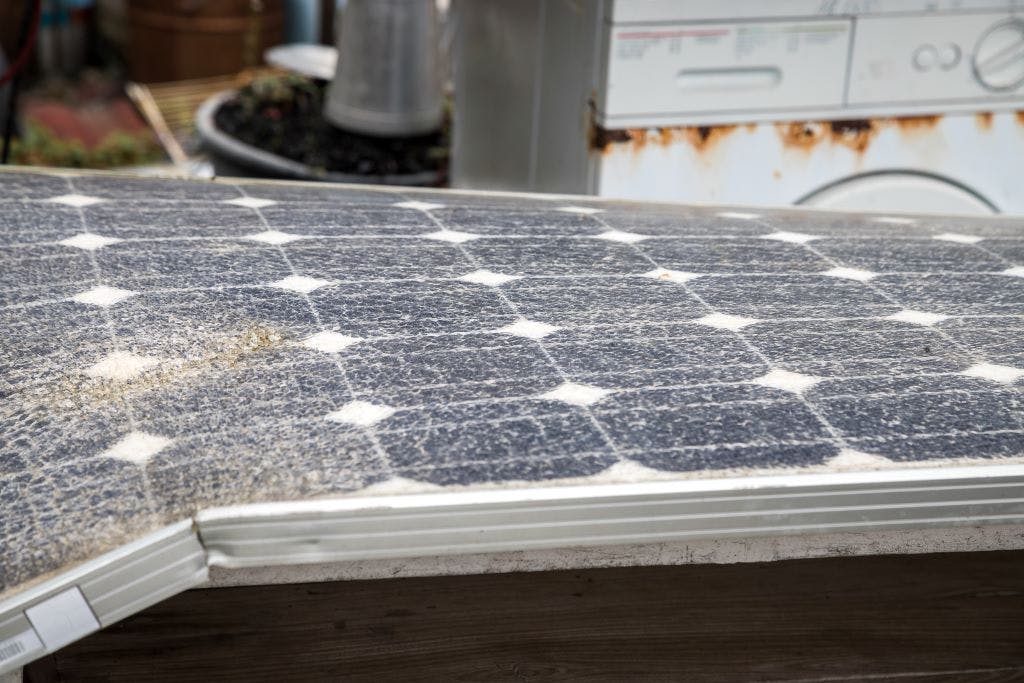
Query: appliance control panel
{"x": 844, "y": 59}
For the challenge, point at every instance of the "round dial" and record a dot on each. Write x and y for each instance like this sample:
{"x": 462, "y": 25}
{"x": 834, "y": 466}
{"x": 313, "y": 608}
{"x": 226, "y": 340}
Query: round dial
{"x": 999, "y": 56}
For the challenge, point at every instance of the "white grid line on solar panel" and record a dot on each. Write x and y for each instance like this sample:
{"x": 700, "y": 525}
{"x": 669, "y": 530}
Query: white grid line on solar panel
{"x": 540, "y": 278}
{"x": 355, "y": 354}
{"x": 660, "y": 321}
{"x": 305, "y": 237}
{"x": 624, "y": 454}
{"x": 645, "y": 452}
{"x": 828, "y": 440}
{"x": 893, "y": 439}
{"x": 360, "y": 351}
{"x": 452, "y": 204}
{"x": 455, "y": 463}
{"x": 114, "y": 339}
{"x": 964, "y": 348}
{"x": 816, "y": 395}
{"x": 368, "y": 430}
{"x": 683, "y": 213}
{"x": 97, "y": 270}
{"x": 344, "y": 201}
{"x": 890, "y": 439}
{"x": 979, "y": 247}
{"x": 375, "y": 204}
{"x": 302, "y": 239}
{"x": 739, "y": 335}
{"x": 604, "y": 408}
{"x": 268, "y": 423}
{"x": 345, "y": 198}
{"x": 540, "y": 345}
{"x": 527, "y": 278}
{"x": 699, "y": 332}
{"x": 653, "y": 388}
{"x": 37, "y": 381}
{"x": 313, "y": 421}
{"x": 369, "y": 192}
{"x": 879, "y": 441}
{"x": 456, "y": 281}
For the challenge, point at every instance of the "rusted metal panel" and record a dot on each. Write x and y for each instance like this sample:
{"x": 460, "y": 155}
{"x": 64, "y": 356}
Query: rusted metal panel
{"x": 854, "y": 134}
{"x": 786, "y": 161}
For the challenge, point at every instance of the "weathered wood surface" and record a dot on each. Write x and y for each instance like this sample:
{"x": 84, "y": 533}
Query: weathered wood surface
{"x": 955, "y": 617}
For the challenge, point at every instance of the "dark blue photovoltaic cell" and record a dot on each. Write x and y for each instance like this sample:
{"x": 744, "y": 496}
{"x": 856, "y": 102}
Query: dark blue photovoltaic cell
{"x": 167, "y": 346}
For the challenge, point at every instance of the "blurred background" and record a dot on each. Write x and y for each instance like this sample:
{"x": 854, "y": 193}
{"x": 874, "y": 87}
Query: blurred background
{"x": 115, "y": 83}
{"x": 877, "y": 105}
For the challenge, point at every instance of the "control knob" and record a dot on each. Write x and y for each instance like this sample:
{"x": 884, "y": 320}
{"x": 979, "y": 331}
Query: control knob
{"x": 999, "y": 56}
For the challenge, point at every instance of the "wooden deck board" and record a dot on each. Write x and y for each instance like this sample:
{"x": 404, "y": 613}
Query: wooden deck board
{"x": 950, "y": 617}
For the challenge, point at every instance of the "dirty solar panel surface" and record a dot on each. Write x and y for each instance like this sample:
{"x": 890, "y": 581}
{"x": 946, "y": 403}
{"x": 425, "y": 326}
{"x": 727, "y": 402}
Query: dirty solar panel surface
{"x": 169, "y": 346}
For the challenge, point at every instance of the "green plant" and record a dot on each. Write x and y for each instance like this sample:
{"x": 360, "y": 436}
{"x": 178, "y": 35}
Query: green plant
{"x": 40, "y": 147}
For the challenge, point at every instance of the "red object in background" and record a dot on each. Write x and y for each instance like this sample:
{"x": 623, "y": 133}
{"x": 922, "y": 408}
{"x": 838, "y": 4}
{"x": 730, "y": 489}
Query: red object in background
{"x": 88, "y": 123}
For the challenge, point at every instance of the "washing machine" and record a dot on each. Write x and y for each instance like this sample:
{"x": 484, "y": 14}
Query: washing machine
{"x": 887, "y": 105}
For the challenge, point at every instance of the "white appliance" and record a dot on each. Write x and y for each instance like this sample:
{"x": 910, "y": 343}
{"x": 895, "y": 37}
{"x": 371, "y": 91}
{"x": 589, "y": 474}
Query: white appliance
{"x": 890, "y": 105}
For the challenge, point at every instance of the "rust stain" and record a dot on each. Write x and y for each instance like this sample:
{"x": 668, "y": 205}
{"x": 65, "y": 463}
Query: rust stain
{"x": 803, "y": 135}
{"x": 638, "y": 136}
{"x": 1020, "y": 117}
{"x": 603, "y": 138}
{"x": 916, "y": 123}
{"x": 777, "y": 174}
{"x": 702, "y": 138}
{"x": 599, "y": 138}
{"x": 855, "y": 134}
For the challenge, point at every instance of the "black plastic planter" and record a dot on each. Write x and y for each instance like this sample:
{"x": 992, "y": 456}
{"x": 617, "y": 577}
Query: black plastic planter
{"x": 231, "y": 157}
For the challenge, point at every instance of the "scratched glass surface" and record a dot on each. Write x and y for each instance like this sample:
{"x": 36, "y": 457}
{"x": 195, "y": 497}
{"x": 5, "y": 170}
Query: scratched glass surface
{"x": 174, "y": 345}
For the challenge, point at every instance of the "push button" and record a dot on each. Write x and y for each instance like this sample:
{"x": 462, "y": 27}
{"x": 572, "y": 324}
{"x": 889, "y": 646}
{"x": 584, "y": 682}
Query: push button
{"x": 925, "y": 57}
{"x": 949, "y": 56}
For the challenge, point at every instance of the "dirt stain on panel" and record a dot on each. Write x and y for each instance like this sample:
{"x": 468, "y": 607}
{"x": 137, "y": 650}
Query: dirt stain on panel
{"x": 76, "y": 392}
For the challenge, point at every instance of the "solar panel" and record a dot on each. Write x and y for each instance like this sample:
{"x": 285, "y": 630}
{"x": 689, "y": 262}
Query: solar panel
{"x": 168, "y": 346}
